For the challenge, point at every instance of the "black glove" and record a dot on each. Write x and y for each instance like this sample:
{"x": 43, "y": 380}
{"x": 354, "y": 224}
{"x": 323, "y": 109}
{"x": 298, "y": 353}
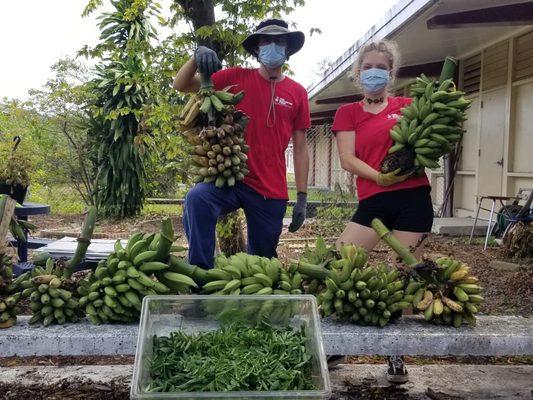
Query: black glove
{"x": 207, "y": 60}
{"x": 298, "y": 212}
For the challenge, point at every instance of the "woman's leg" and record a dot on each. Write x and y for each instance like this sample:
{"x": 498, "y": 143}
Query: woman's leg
{"x": 359, "y": 235}
{"x": 411, "y": 239}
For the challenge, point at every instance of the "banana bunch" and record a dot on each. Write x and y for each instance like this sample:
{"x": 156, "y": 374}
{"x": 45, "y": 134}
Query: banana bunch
{"x": 429, "y": 127}
{"x": 8, "y": 292}
{"x": 321, "y": 254}
{"x": 248, "y": 274}
{"x": 51, "y": 294}
{"x": 215, "y": 130}
{"x": 114, "y": 292}
{"x": 360, "y": 293}
{"x": 244, "y": 274}
{"x": 453, "y": 297}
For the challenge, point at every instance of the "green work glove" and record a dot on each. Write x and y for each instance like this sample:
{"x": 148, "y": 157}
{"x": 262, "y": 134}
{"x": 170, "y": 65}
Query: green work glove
{"x": 298, "y": 212}
{"x": 391, "y": 178}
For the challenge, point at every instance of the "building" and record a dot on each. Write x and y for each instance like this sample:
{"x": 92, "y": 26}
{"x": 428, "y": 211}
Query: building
{"x": 493, "y": 41}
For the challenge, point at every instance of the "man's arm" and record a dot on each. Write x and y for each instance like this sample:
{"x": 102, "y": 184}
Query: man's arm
{"x": 301, "y": 170}
{"x": 207, "y": 62}
{"x": 186, "y": 79}
{"x": 301, "y": 160}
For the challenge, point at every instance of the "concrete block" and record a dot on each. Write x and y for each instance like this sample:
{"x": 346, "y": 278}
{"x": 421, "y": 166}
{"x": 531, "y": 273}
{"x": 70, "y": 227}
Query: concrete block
{"x": 71, "y": 339}
{"x": 493, "y": 336}
{"x": 458, "y": 226}
{"x": 507, "y": 266}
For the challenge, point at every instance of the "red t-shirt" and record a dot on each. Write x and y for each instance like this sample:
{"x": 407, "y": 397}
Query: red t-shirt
{"x": 266, "y": 158}
{"x": 372, "y": 141}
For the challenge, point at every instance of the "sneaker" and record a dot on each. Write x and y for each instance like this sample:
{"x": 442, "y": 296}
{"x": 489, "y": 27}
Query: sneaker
{"x": 335, "y": 360}
{"x": 397, "y": 373}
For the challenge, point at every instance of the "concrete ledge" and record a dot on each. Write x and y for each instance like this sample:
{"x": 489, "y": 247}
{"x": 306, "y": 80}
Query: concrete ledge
{"x": 506, "y": 266}
{"x": 493, "y": 336}
{"x": 458, "y": 226}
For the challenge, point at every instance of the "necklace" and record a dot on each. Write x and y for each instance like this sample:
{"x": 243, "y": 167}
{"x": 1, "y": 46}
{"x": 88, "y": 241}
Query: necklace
{"x": 375, "y": 101}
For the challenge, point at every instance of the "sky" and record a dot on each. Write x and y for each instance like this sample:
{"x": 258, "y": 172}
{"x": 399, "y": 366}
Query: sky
{"x": 36, "y": 33}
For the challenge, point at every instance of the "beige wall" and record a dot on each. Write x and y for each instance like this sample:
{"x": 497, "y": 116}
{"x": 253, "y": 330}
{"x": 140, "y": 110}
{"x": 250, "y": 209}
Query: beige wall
{"x": 500, "y": 124}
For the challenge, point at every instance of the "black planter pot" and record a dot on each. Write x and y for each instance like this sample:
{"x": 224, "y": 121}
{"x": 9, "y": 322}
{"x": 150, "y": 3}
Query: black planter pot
{"x": 17, "y": 192}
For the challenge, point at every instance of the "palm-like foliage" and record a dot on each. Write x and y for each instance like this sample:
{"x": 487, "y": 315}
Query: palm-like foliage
{"x": 123, "y": 89}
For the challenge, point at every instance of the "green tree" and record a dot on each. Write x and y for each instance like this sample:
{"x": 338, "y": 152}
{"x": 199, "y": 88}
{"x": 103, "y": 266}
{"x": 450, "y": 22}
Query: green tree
{"x": 123, "y": 89}
{"x": 62, "y": 103}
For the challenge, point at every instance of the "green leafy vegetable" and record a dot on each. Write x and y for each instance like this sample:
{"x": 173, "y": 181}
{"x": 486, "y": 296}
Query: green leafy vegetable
{"x": 235, "y": 357}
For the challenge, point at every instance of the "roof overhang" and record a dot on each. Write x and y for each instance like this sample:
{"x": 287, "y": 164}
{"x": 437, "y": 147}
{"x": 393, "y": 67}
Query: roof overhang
{"x": 426, "y": 31}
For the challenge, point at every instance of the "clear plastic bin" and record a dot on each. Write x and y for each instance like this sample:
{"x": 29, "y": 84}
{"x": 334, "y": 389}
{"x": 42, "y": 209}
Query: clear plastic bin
{"x": 162, "y": 315}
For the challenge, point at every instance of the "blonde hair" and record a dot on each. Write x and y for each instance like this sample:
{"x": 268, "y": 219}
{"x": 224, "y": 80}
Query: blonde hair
{"x": 386, "y": 47}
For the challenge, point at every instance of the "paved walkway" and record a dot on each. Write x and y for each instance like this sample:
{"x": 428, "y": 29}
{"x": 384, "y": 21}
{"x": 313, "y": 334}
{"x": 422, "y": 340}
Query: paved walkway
{"x": 457, "y": 381}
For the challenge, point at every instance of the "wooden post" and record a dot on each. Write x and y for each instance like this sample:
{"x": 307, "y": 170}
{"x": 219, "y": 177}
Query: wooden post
{"x": 449, "y": 70}
{"x": 330, "y": 148}
{"x": 7, "y": 209}
{"x": 314, "y": 161}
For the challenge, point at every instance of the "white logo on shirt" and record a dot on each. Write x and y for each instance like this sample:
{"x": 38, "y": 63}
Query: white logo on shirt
{"x": 393, "y": 116}
{"x": 282, "y": 102}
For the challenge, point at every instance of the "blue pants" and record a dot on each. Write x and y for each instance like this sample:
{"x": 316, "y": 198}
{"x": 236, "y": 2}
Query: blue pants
{"x": 205, "y": 202}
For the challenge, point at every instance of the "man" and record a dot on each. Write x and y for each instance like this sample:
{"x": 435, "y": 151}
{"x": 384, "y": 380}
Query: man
{"x": 278, "y": 108}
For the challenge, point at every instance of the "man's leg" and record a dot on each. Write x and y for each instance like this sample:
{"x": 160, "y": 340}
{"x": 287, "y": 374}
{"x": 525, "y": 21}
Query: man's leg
{"x": 204, "y": 203}
{"x": 264, "y": 218}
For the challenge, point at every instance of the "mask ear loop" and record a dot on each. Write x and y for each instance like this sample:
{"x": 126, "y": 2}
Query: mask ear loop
{"x": 271, "y": 109}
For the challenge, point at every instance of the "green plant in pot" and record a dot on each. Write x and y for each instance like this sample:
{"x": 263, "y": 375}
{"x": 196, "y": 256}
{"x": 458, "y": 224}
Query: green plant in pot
{"x": 14, "y": 173}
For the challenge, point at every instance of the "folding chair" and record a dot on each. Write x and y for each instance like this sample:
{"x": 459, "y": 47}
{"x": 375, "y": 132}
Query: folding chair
{"x": 524, "y": 215}
{"x": 523, "y": 194}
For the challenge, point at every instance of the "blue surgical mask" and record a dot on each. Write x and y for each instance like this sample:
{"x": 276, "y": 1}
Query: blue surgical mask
{"x": 374, "y": 79}
{"x": 272, "y": 55}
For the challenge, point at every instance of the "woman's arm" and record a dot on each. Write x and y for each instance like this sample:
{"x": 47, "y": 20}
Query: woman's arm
{"x": 349, "y": 162}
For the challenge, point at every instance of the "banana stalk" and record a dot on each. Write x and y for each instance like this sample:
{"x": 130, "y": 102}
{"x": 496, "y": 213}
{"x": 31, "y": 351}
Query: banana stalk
{"x": 179, "y": 265}
{"x": 448, "y": 69}
{"x": 386, "y": 235}
{"x": 84, "y": 240}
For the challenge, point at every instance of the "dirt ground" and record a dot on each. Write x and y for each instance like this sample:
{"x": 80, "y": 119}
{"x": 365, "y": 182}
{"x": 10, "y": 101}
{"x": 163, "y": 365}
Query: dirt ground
{"x": 61, "y": 361}
{"x": 66, "y": 390}
{"x": 88, "y": 390}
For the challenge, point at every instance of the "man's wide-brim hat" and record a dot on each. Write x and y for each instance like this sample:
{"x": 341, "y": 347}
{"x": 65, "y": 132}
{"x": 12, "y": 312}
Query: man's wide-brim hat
{"x": 295, "y": 39}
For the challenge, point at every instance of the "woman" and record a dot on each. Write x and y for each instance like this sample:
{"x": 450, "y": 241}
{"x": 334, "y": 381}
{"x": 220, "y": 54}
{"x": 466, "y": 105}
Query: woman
{"x": 402, "y": 202}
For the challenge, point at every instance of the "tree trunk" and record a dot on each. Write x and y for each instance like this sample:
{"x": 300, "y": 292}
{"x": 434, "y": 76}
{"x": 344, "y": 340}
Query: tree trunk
{"x": 230, "y": 234}
{"x": 201, "y": 13}
{"x": 7, "y": 209}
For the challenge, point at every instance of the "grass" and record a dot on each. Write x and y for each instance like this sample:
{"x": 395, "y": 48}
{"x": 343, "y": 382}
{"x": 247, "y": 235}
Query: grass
{"x": 64, "y": 200}
{"x": 162, "y": 209}
{"x": 479, "y": 241}
{"x": 312, "y": 194}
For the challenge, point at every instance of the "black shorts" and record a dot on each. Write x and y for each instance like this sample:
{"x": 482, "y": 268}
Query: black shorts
{"x": 409, "y": 210}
